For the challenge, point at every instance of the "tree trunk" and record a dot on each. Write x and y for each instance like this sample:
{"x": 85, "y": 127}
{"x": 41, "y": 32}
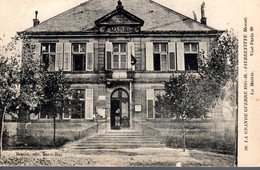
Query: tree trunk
{"x": 2, "y": 132}
{"x": 54, "y": 130}
{"x": 183, "y": 135}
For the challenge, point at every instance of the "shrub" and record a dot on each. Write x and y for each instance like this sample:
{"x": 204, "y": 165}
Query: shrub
{"x": 41, "y": 142}
{"x": 213, "y": 143}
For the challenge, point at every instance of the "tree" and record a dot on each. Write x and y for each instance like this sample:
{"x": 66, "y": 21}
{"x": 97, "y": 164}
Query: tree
{"x": 220, "y": 69}
{"x": 185, "y": 98}
{"x": 42, "y": 91}
{"x": 57, "y": 96}
{"x": 191, "y": 95}
{"x": 9, "y": 82}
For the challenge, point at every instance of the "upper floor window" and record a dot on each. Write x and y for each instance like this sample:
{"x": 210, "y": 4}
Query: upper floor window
{"x": 79, "y": 57}
{"x": 160, "y": 52}
{"x": 48, "y": 56}
{"x": 191, "y": 51}
{"x": 119, "y": 59}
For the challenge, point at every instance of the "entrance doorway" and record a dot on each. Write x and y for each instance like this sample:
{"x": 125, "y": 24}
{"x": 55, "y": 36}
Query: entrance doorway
{"x": 120, "y": 116}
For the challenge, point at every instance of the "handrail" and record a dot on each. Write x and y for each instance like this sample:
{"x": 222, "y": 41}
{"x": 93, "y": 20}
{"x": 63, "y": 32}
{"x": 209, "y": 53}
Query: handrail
{"x": 147, "y": 126}
{"x": 92, "y": 127}
{"x": 155, "y": 132}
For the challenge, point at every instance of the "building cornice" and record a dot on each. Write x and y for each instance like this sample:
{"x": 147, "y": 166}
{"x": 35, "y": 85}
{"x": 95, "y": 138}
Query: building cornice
{"x": 46, "y": 34}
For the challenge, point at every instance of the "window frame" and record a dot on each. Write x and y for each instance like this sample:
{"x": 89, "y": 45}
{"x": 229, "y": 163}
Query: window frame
{"x": 49, "y": 53}
{"x": 166, "y": 53}
{"x": 161, "y": 93}
{"x": 79, "y": 52}
{"x": 150, "y": 97}
{"x": 119, "y": 54}
{"x": 81, "y": 100}
{"x": 191, "y": 52}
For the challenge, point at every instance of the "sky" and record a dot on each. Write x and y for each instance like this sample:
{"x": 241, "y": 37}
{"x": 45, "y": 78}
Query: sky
{"x": 17, "y": 15}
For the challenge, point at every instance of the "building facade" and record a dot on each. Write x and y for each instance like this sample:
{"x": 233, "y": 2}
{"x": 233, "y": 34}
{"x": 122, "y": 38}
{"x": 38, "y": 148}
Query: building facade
{"x": 117, "y": 54}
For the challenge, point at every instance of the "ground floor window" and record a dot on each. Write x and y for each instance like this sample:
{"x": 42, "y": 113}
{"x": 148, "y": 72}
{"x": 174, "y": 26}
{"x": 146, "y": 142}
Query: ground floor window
{"x": 48, "y": 110}
{"x": 78, "y": 105}
{"x": 158, "y": 93}
{"x": 152, "y": 102}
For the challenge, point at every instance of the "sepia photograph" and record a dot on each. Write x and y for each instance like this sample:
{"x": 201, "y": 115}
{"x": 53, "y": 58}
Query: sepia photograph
{"x": 126, "y": 83}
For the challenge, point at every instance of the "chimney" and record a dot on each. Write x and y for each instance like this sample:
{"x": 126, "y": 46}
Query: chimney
{"x": 36, "y": 21}
{"x": 203, "y": 17}
{"x": 194, "y": 16}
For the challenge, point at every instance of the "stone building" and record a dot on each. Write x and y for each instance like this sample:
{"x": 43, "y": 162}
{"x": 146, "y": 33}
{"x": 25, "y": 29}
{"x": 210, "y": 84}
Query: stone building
{"x": 116, "y": 55}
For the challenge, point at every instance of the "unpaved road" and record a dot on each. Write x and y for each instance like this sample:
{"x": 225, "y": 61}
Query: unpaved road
{"x": 142, "y": 157}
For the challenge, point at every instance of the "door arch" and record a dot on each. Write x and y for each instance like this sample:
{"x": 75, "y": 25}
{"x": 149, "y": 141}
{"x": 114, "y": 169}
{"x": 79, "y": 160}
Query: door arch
{"x": 120, "y": 114}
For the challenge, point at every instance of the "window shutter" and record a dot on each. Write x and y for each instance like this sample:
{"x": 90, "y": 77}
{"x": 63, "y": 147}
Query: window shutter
{"x": 67, "y": 57}
{"x": 172, "y": 56}
{"x": 180, "y": 56}
{"x": 108, "y": 55}
{"x": 150, "y": 103}
{"x": 203, "y": 48}
{"x": 90, "y": 56}
{"x": 149, "y": 56}
{"x": 59, "y": 56}
{"x": 89, "y": 104}
{"x": 37, "y": 52}
{"x": 164, "y": 66}
{"x": 131, "y": 51}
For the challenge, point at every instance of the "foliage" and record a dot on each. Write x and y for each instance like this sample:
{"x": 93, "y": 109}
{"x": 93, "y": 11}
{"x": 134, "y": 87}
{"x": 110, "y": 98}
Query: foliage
{"x": 220, "y": 69}
{"x": 25, "y": 85}
{"x": 31, "y": 80}
{"x": 9, "y": 82}
{"x": 182, "y": 100}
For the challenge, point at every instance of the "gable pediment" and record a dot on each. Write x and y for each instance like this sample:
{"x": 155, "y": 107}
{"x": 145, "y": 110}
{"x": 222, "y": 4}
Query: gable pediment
{"x": 119, "y": 21}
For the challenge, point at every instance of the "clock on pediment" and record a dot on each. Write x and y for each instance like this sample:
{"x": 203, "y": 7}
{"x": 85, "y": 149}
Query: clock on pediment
{"x": 119, "y": 21}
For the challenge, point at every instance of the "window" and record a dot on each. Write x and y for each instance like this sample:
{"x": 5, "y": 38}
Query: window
{"x": 191, "y": 56}
{"x": 119, "y": 60}
{"x": 160, "y": 52}
{"x": 48, "y": 56}
{"x": 78, "y": 111}
{"x": 158, "y": 93}
{"x": 47, "y": 110}
{"x": 79, "y": 57}
{"x": 150, "y": 103}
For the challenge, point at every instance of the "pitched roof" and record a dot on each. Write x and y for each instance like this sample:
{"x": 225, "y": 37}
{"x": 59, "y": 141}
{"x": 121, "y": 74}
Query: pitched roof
{"x": 156, "y": 17}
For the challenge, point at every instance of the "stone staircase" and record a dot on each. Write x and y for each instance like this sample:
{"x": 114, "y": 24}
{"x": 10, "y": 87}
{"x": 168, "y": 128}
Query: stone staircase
{"x": 122, "y": 139}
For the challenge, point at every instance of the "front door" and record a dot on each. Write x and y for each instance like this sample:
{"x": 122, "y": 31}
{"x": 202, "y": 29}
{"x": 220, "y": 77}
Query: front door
{"x": 120, "y": 117}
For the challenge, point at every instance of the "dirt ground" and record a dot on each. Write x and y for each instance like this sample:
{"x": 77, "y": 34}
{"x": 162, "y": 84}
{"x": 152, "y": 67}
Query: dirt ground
{"x": 142, "y": 157}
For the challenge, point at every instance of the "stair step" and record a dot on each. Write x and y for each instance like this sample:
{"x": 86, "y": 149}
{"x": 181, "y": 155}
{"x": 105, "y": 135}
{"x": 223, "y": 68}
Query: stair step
{"x": 118, "y": 146}
{"x": 119, "y": 136}
{"x": 118, "y": 142}
{"x": 123, "y": 136}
